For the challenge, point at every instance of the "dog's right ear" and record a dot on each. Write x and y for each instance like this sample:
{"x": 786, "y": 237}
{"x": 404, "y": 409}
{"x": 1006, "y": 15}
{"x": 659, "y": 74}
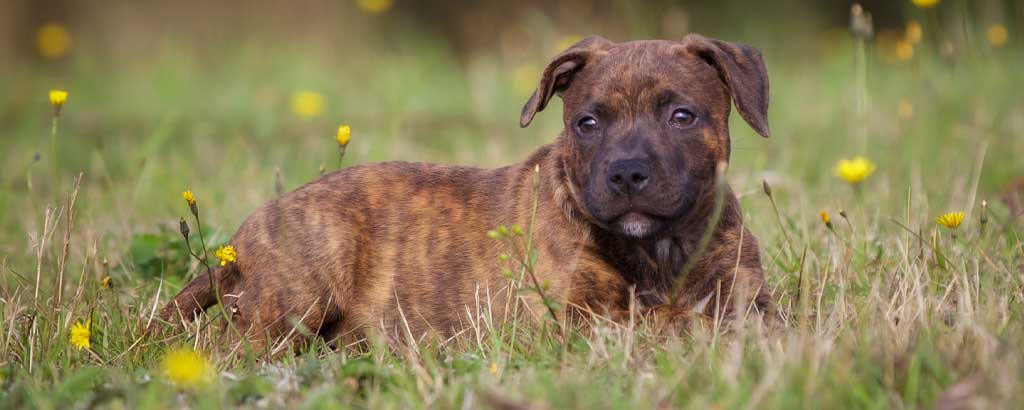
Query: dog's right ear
{"x": 558, "y": 74}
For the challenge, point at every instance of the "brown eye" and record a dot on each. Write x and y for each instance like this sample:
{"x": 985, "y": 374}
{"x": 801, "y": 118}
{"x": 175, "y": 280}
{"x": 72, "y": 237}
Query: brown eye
{"x": 683, "y": 117}
{"x": 587, "y": 125}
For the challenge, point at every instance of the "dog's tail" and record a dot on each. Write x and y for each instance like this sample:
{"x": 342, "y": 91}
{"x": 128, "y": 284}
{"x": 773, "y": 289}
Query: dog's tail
{"x": 197, "y": 295}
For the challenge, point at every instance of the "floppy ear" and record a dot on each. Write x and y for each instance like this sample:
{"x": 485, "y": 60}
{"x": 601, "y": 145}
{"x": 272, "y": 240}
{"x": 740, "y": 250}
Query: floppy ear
{"x": 743, "y": 71}
{"x": 558, "y": 74}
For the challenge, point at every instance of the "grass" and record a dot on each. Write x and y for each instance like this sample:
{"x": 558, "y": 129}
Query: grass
{"x": 895, "y": 311}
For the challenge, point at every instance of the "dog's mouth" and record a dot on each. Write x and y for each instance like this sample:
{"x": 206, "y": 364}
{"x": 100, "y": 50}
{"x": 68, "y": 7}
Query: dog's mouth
{"x": 639, "y": 218}
{"x": 641, "y": 222}
{"x": 637, "y": 224}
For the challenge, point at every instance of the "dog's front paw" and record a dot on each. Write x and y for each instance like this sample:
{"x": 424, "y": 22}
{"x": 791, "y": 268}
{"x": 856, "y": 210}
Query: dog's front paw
{"x": 678, "y": 321}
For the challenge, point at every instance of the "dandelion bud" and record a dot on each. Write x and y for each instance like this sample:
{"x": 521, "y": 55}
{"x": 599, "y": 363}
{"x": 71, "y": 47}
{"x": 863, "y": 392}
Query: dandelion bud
{"x": 503, "y": 230}
{"x": 767, "y": 188}
{"x": 913, "y": 32}
{"x": 323, "y": 168}
{"x": 493, "y": 234}
{"x": 536, "y": 177}
{"x": 842, "y": 213}
{"x": 183, "y": 227}
{"x": 503, "y": 257}
{"x": 517, "y": 230}
{"x": 861, "y": 24}
{"x": 984, "y": 213}
{"x": 948, "y": 49}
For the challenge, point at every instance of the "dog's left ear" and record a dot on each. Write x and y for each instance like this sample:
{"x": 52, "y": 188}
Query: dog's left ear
{"x": 743, "y": 70}
{"x": 558, "y": 74}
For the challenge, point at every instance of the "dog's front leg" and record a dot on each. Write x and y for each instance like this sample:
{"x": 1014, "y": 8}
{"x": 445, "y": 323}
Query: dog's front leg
{"x": 666, "y": 319}
{"x": 728, "y": 281}
{"x": 599, "y": 292}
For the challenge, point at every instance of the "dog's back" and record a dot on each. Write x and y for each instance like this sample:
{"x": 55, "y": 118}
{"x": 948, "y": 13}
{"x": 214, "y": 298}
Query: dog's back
{"x": 394, "y": 244}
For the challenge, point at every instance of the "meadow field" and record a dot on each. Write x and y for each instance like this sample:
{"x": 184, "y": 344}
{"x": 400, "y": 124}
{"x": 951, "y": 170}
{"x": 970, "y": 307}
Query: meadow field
{"x": 884, "y": 303}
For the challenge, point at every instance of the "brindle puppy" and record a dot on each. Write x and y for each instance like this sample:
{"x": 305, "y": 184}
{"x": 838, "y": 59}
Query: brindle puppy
{"x": 626, "y": 194}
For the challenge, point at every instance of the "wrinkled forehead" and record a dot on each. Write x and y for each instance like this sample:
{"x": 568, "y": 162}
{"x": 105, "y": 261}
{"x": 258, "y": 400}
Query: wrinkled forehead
{"x": 639, "y": 75}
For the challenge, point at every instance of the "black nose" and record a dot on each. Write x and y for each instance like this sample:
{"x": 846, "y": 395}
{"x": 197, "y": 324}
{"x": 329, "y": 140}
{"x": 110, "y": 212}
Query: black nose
{"x": 628, "y": 176}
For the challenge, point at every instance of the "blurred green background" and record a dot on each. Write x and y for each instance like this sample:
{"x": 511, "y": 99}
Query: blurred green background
{"x": 222, "y": 96}
{"x": 233, "y": 99}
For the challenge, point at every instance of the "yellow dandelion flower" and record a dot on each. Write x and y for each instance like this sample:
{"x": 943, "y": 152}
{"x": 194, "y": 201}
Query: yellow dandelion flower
{"x": 855, "y": 170}
{"x": 493, "y": 368}
{"x": 825, "y": 217}
{"x": 375, "y": 6}
{"x": 58, "y": 97}
{"x": 226, "y": 254}
{"x": 186, "y": 368}
{"x": 189, "y": 197}
{"x": 105, "y": 283}
{"x": 905, "y": 109}
{"x": 344, "y": 135}
{"x": 80, "y": 334}
{"x": 913, "y": 32}
{"x": 307, "y": 104}
{"x": 904, "y": 50}
{"x": 951, "y": 220}
{"x": 925, "y": 4}
{"x": 53, "y": 40}
{"x": 997, "y": 35}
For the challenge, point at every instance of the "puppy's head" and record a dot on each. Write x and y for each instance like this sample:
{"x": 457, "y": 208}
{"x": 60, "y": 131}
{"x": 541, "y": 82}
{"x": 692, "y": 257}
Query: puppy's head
{"x": 646, "y": 123}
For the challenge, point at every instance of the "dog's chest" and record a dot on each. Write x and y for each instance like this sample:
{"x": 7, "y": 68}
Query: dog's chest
{"x": 650, "y": 267}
